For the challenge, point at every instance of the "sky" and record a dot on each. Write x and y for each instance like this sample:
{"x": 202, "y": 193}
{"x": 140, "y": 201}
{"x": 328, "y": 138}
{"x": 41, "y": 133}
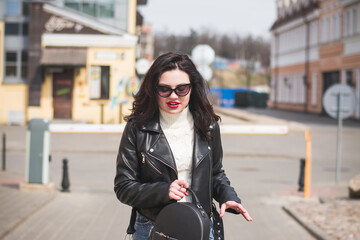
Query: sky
{"x": 242, "y": 17}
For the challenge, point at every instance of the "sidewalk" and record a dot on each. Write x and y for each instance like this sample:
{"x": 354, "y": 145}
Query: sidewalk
{"x": 95, "y": 213}
{"x": 330, "y": 214}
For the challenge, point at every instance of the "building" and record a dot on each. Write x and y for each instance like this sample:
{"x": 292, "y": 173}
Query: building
{"x": 67, "y": 59}
{"x": 315, "y": 44}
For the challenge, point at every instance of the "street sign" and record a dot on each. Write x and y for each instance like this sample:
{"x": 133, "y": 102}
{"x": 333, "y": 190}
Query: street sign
{"x": 142, "y": 66}
{"x": 339, "y": 101}
{"x": 203, "y": 55}
{"x": 205, "y": 71}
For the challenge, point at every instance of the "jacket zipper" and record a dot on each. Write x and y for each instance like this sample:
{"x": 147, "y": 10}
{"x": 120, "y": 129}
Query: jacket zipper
{"x": 150, "y": 163}
{"x": 211, "y": 186}
{"x": 165, "y": 164}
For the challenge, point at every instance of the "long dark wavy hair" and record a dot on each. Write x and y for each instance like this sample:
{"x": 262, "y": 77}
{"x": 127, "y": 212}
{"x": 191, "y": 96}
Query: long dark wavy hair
{"x": 145, "y": 106}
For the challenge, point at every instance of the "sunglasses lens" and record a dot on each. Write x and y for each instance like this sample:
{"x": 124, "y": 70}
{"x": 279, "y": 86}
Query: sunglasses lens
{"x": 164, "y": 91}
{"x": 182, "y": 90}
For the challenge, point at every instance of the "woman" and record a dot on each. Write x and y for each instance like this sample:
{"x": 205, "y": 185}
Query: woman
{"x": 172, "y": 142}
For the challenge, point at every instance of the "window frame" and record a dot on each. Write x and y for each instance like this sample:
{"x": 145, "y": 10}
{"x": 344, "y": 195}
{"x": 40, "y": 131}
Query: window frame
{"x": 20, "y": 64}
{"x": 99, "y": 86}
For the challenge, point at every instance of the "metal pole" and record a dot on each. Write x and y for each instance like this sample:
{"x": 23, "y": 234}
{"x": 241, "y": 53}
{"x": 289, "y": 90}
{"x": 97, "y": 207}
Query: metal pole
{"x": 339, "y": 133}
{"x": 65, "y": 183}
{"x": 102, "y": 113}
{"x": 307, "y": 182}
{"x": 4, "y": 152}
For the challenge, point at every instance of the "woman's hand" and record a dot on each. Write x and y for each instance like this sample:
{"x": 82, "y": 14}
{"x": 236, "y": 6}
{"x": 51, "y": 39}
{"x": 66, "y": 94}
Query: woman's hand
{"x": 177, "y": 189}
{"x": 237, "y": 207}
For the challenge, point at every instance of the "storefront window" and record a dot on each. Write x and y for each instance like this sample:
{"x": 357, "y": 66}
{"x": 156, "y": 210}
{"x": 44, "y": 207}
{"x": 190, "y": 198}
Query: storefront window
{"x": 99, "y": 82}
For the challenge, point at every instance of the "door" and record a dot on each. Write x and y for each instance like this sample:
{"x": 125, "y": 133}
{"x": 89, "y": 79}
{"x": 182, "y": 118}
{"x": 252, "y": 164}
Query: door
{"x": 329, "y": 79}
{"x": 62, "y": 93}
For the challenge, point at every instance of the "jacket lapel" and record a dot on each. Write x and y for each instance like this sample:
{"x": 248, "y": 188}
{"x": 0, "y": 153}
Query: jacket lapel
{"x": 159, "y": 148}
{"x": 201, "y": 148}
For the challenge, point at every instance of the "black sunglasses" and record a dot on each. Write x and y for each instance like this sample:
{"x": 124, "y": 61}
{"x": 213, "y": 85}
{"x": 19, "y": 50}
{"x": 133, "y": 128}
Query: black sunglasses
{"x": 181, "y": 90}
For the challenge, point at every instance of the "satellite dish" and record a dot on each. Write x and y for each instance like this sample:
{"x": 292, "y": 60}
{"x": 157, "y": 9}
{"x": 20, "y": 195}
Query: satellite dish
{"x": 142, "y": 66}
{"x": 203, "y": 54}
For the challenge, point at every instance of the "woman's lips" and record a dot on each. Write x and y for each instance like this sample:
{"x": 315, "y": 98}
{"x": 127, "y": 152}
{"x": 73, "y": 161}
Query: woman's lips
{"x": 173, "y": 104}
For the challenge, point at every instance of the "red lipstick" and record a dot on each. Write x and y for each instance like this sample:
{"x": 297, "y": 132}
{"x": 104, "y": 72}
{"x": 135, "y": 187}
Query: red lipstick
{"x": 172, "y": 104}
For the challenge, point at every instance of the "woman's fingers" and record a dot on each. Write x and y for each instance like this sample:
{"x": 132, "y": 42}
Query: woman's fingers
{"x": 178, "y": 189}
{"x": 237, "y": 207}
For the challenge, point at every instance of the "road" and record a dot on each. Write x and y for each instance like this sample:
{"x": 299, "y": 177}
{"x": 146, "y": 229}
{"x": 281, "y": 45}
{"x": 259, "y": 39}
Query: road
{"x": 264, "y": 170}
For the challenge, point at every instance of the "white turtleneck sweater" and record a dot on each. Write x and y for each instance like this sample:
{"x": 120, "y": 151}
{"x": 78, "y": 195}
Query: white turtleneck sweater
{"x": 179, "y": 132}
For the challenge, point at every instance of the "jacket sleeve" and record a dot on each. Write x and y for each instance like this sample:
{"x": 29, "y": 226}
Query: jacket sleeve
{"x": 222, "y": 191}
{"x": 127, "y": 184}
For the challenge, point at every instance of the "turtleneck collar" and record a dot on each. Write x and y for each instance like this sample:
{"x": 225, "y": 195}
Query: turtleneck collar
{"x": 175, "y": 120}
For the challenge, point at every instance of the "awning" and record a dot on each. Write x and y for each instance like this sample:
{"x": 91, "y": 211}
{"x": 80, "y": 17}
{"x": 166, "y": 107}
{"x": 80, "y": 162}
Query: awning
{"x": 63, "y": 57}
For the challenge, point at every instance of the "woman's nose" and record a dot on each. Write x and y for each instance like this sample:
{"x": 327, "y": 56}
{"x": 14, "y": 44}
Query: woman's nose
{"x": 173, "y": 95}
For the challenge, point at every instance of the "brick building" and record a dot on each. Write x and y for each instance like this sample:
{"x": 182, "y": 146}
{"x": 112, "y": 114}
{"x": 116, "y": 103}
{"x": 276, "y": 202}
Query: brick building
{"x": 315, "y": 44}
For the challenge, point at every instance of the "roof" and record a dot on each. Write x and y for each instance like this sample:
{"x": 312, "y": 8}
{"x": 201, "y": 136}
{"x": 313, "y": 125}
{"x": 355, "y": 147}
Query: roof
{"x": 300, "y": 13}
{"x": 63, "y": 57}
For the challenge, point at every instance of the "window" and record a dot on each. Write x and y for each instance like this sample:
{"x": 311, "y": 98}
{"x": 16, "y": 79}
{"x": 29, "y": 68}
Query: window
{"x": 328, "y": 28}
{"x": 73, "y": 4}
{"x": 99, "y": 82}
{"x": 11, "y": 64}
{"x": 89, "y": 8}
{"x": 25, "y": 8}
{"x": 323, "y": 30}
{"x": 358, "y": 20}
{"x": 339, "y": 27}
{"x": 334, "y": 28}
{"x": 24, "y": 61}
{"x": 95, "y": 8}
{"x": 354, "y": 18}
{"x": 349, "y": 78}
{"x": 347, "y": 23}
{"x": 13, "y": 7}
{"x": 16, "y": 66}
{"x": 106, "y": 9}
{"x": 12, "y": 29}
{"x": 25, "y": 29}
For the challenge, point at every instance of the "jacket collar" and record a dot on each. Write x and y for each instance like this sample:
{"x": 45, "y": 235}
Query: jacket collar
{"x": 201, "y": 146}
{"x": 153, "y": 125}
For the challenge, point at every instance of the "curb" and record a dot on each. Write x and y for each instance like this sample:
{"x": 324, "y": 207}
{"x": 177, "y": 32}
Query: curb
{"x": 309, "y": 226}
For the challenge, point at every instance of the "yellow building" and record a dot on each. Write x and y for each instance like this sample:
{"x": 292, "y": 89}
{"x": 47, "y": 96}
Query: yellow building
{"x": 75, "y": 66}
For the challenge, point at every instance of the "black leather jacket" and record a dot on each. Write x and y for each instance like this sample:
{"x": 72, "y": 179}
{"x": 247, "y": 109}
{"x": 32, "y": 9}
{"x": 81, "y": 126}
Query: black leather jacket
{"x": 145, "y": 169}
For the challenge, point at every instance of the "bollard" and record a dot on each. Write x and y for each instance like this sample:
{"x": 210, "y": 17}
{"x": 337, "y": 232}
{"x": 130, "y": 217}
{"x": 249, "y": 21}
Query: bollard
{"x": 65, "y": 184}
{"x": 4, "y": 152}
{"x": 301, "y": 176}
